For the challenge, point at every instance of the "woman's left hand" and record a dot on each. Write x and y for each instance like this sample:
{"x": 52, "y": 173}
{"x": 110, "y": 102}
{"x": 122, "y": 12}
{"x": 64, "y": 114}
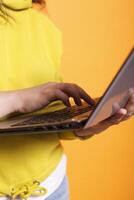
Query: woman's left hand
{"x": 123, "y": 114}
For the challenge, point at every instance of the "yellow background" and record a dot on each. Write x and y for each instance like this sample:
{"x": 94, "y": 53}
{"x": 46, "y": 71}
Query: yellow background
{"x": 97, "y": 36}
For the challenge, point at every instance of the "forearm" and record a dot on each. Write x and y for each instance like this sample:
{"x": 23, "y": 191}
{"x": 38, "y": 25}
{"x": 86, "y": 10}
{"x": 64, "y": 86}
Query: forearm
{"x": 9, "y": 103}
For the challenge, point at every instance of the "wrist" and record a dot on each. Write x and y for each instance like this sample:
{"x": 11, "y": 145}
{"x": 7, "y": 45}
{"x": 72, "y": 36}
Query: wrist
{"x": 16, "y": 102}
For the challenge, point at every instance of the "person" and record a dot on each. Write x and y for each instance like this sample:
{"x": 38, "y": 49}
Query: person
{"x": 34, "y": 166}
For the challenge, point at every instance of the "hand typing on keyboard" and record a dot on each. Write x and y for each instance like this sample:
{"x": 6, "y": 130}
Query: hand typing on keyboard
{"x": 35, "y": 98}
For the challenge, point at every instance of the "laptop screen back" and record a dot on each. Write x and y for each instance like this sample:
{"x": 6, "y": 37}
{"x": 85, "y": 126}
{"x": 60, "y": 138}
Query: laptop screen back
{"x": 118, "y": 91}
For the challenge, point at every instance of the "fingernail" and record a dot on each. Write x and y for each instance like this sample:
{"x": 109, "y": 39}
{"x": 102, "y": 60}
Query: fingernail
{"x": 123, "y": 111}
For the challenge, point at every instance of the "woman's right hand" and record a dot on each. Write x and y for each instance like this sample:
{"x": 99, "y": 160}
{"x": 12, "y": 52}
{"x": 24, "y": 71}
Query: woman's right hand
{"x": 35, "y": 98}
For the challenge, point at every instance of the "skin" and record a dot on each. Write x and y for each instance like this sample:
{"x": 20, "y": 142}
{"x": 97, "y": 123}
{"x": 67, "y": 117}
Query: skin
{"x": 32, "y": 99}
{"x": 121, "y": 115}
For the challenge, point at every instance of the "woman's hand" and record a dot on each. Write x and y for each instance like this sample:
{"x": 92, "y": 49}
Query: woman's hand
{"x": 35, "y": 98}
{"x": 122, "y": 115}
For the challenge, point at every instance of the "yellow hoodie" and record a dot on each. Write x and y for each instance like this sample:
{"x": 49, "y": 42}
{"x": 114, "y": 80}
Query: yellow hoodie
{"x": 30, "y": 51}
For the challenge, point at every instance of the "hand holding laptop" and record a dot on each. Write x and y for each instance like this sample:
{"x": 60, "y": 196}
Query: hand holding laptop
{"x": 121, "y": 115}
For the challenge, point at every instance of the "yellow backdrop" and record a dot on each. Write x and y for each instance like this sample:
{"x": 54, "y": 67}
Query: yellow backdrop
{"x": 97, "y": 36}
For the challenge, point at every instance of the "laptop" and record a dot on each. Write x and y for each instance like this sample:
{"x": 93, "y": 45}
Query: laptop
{"x": 58, "y": 118}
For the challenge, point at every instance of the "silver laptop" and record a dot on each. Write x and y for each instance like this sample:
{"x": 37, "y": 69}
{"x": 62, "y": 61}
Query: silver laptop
{"x": 58, "y": 118}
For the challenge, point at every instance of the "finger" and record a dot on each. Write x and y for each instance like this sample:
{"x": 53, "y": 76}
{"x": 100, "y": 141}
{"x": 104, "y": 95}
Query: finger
{"x": 72, "y": 92}
{"x": 105, "y": 124}
{"x": 116, "y": 118}
{"x": 78, "y": 93}
{"x": 86, "y": 97}
{"x": 116, "y": 107}
{"x": 130, "y": 107}
{"x": 59, "y": 95}
{"x": 77, "y": 100}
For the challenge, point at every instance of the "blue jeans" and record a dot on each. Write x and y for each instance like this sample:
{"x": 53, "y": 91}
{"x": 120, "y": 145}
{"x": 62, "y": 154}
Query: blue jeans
{"x": 62, "y": 193}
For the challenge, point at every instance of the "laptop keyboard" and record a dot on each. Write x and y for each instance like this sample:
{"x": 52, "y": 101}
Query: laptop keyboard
{"x": 57, "y": 116}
